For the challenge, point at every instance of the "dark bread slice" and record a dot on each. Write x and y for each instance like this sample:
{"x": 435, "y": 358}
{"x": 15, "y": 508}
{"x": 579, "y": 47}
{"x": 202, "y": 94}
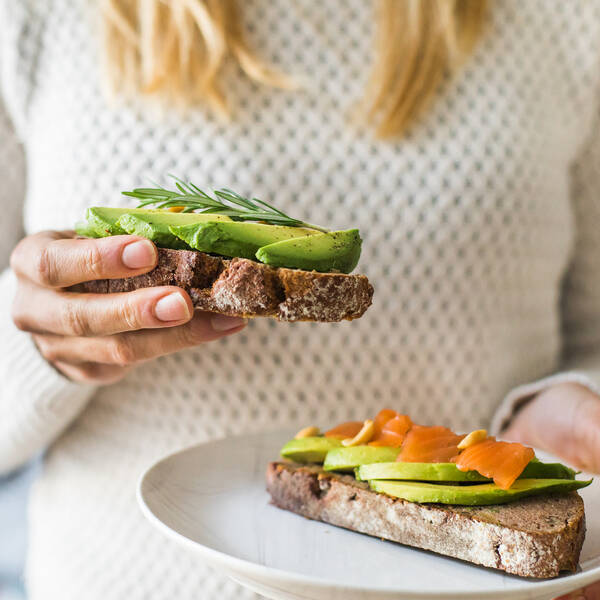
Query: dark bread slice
{"x": 535, "y": 537}
{"x": 245, "y": 288}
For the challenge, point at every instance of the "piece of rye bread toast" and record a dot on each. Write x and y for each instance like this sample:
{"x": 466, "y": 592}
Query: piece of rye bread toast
{"x": 246, "y": 288}
{"x": 534, "y": 537}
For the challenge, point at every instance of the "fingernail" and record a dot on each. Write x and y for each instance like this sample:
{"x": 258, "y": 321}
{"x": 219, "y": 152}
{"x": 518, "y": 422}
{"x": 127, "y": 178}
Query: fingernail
{"x": 172, "y": 308}
{"x": 139, "y": 255}
{"x": 224, "y": 323}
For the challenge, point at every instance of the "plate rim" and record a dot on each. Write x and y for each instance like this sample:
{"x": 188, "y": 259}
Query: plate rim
{"x": 249, "y": 567}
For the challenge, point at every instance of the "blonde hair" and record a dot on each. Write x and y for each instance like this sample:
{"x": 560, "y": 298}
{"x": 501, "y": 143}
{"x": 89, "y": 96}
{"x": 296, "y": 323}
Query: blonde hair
{"x": 176, "y": 49}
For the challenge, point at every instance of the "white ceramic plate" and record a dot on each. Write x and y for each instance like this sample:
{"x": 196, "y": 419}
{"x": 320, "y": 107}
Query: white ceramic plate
{"x": 211, "y": 499}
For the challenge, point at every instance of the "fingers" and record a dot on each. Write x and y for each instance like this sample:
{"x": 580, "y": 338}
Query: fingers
{"x": 564, "y": 420}
{"x": 51, "y": 259}
{"x": 92, "y": 373}
{"x": 40, "y": 310}
{"x": 129, "y": 349}
{"x": 575, "y": 431}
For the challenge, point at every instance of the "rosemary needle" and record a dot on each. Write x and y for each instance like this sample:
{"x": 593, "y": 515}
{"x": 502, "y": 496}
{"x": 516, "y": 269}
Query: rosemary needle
{"x": 225, "y": 202}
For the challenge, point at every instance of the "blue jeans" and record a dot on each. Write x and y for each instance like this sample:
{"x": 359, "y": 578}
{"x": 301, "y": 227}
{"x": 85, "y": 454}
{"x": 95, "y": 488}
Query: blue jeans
{"x": 14, "y": 490}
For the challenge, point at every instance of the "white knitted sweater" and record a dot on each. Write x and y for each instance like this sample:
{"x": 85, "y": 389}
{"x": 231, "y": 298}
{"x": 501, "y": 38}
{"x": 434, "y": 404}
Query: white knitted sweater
{"x": 481, "y": 237}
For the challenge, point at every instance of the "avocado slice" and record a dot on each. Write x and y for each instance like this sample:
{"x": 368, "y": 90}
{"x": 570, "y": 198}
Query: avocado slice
{"x": 346, "y": 459}
{"x": 103, "y": 219}
{"x": 332, "y": 251}
{"x": 540, "y": 470}
{"x": 476, "y": 494}
{"x": 156, "y": 226}
{"x": 555, "y": 470}
{"x": 309, "y": 449}
{"x": 450, "y": 472}
{"x": 84, "y": 229}
{"x": 235, "y": 238}
{"x": 416, "y": 472}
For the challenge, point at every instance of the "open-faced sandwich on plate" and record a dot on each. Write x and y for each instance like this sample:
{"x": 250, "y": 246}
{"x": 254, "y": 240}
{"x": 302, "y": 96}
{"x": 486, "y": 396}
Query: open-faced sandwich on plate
{"x": 469, "y": 496}
{"x": 238, "y": 256}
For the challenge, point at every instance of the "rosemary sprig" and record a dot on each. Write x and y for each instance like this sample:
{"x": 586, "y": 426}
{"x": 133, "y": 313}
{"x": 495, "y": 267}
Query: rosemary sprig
{"x": 225, "y": 202}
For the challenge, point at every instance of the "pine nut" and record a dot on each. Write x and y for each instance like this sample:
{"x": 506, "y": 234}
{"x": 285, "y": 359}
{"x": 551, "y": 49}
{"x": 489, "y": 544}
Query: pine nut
{"x": 364, "y": 436}
{"x": 479, "y": 435}
{"x": 307, "y": 432}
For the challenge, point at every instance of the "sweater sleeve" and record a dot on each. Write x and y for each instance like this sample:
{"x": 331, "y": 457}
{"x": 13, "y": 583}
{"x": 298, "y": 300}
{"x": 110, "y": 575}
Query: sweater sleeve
{"x": 36, "y": 402}
{"x": 580, "y": 298}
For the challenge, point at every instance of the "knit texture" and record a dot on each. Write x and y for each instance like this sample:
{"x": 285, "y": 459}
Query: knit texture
{"x": 480, "y": 237}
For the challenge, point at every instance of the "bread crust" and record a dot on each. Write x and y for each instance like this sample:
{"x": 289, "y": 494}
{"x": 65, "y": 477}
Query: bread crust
{"x": 246, "y": 288}
{"x": 535, "y": 537}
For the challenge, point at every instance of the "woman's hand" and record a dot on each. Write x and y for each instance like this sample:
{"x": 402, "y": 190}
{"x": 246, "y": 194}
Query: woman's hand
{"x": 564, "y": 420}
{"x": 96, "y": 338}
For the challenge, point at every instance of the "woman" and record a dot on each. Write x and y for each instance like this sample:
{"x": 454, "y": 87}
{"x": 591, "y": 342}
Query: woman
{"x": 476, "y": 194}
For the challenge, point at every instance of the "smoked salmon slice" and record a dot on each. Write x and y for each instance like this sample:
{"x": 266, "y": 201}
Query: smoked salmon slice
{"x": 501, "y": 461}
{"x": 393, "y": 432}
{"x": 383, "y": 416}
{"x": 345, "y": 430}
{"x": 430, "y": 445}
